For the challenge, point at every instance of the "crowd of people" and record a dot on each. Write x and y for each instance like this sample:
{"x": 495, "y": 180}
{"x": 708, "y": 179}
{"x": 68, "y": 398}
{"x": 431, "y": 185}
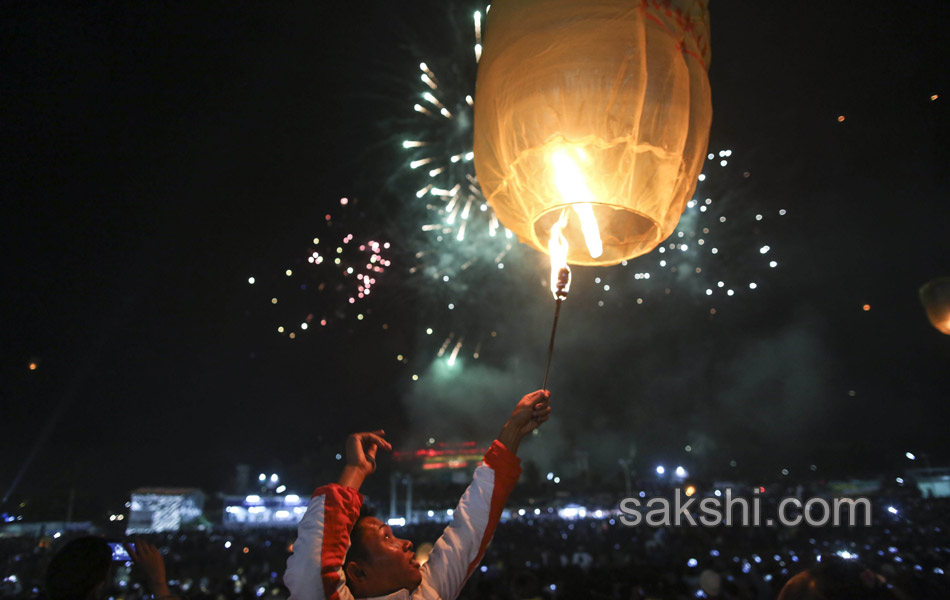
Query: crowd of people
{"x": 547, "y": 556}
{"x": 600, "y": 558}
{"x": 542, "y": 547}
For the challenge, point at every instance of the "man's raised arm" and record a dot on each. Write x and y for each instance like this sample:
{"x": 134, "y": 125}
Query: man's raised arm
{"x": 461, "y": 547}
{"x": 315, "y": 569}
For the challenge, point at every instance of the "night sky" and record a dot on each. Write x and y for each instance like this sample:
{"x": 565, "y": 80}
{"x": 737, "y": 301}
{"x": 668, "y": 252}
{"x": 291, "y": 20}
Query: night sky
{"x": 156, "y": 156}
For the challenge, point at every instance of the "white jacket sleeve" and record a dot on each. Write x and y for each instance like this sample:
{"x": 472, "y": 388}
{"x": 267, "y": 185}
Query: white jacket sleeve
{"x": 315, "y": 569}
{"x": 463, "y": 543}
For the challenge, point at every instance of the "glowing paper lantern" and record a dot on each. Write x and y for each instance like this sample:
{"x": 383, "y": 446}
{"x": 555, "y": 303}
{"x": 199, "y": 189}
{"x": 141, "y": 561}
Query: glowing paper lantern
{"x": 935, "y": 296}
{"x": 601, "y": 106}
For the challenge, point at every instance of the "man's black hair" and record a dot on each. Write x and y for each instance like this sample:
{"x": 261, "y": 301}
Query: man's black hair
{"x": 77, "y": 568}
{"x": 358, "y": 550}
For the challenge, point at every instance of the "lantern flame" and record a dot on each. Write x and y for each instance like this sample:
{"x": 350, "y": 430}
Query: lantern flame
{"x": 557, "y": 248}
{"x": 573, "y": 188}
{"x": 590, "y": 228}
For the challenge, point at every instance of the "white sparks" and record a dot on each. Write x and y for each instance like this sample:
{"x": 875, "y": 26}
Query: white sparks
{"x": 418, "y": 163}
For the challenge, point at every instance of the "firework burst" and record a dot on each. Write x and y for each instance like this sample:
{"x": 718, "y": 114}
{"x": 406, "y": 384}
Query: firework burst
{"x": 459, "y": 247}
{"x": 330, "y": 282}
{"x": 441, "y": 153}
{"x": 719, "y": 250}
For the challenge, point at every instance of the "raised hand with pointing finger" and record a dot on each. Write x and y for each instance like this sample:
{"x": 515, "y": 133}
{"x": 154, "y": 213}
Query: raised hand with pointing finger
{"x": 361, "y": 449}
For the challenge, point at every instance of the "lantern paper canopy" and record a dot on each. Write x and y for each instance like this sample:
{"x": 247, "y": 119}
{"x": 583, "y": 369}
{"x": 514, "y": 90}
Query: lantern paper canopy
{"x": 601, "y": 107}
{"x": 935, "y": 296}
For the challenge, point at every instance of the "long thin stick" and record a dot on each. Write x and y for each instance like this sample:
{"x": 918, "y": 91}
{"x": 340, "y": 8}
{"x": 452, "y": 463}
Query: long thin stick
{"x": 547, "y": 369}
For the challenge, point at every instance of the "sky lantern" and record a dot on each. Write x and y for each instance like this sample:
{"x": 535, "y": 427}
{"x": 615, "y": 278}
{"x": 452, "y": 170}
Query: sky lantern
{"x": 935, "y": 296}
{"x": 596, "y": 112}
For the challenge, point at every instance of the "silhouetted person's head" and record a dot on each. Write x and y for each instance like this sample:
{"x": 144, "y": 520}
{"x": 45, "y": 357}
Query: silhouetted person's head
{"x": 379, "y": 563}
{"x": 836, "y": 579}
{"x": 80, "y": 570}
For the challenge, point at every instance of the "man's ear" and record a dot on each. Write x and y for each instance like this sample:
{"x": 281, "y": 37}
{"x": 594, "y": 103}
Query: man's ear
{"x": 355, "y": 572}
{"x": 98, "y": 591}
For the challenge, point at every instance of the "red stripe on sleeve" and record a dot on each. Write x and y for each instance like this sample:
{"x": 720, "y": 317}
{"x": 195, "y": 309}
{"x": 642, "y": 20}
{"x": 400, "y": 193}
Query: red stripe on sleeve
{"x": 341, "y": 509}
{"x": 507, "y": 468}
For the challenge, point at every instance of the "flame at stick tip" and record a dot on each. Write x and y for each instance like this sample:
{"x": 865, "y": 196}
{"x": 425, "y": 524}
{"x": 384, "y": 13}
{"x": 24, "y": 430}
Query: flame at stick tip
{"x": 557, "y": 248}
{"x": 573, "y": 188}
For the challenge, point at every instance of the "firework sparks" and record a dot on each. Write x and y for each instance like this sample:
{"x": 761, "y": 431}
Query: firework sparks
{"x": 442, "y": 155}
{"x": 460, "y": 244}
{"x": 332, "y": 283}
{"x": 718, "y": 251}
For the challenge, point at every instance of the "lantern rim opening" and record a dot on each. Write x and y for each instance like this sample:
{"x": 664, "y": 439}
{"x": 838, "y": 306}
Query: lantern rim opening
{"x": 626, "y": 235}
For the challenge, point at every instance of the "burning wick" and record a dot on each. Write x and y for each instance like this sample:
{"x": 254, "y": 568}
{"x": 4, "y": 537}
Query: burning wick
{"x": 572, "y": 186}
{"x": 564, "y": 282}
{"x": 560, "y": 281}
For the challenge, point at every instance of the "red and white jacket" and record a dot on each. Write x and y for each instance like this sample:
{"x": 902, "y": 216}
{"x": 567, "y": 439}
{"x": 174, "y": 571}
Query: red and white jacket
{"x": 315, "y": 569}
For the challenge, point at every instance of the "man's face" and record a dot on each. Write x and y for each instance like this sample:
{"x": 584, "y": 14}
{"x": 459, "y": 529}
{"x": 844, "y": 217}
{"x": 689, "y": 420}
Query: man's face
{"x": 391, "y": 565}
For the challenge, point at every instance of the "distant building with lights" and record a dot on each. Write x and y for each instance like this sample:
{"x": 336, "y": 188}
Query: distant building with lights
{"x": 933, "y": 482}
{"x": 441, "y": 461}
{"x": 438, "y": 465}
{"x": 45, "y": 529}
{"x": 154, "y": 510}
{"x": 255, "y": 510}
